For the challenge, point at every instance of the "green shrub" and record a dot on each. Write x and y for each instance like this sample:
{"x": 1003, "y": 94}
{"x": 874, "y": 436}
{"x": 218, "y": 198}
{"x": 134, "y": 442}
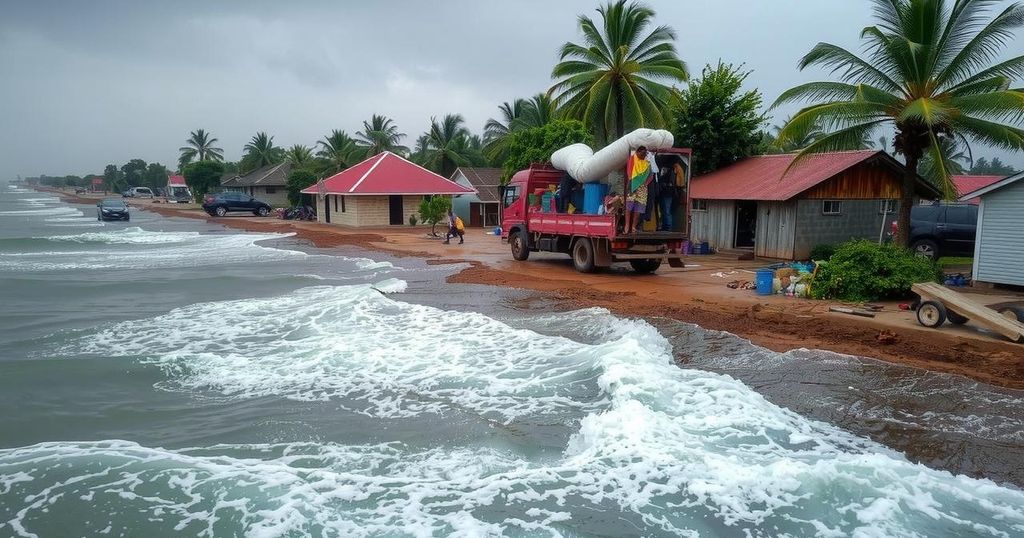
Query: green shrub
{"x": 822, "y": 252}
{"x": 865, "y": 271}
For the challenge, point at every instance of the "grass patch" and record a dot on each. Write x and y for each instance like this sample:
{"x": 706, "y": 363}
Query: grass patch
{"x": 948, "y": 261}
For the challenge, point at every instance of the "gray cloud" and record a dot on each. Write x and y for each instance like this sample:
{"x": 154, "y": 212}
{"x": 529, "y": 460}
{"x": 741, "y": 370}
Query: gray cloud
{"x": 89, "y": 83}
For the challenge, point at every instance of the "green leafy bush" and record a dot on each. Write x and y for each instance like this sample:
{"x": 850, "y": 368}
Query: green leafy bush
{"x": 535, "y": 145}
{"x": 298, "y": 180}
{"x": 434, "y": 210}
{"x": 822, "y": 252}
{"x": 865, "y": 271}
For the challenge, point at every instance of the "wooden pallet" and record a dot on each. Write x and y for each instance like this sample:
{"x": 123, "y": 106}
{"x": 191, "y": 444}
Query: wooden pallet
{"x": 968, "y": 308}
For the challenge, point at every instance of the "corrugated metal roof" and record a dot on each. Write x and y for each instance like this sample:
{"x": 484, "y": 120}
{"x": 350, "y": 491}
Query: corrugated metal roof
{"x": 176, "y": 181}
{"x": 385, "y": 174}
{"x": 967, "y": 184}
{"x": 485, "y": 180}
{"x": 761, "y": 177}
{"x": 274, "y": 175}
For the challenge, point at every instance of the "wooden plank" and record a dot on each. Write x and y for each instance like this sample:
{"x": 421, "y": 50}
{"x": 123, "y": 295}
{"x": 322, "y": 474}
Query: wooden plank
{"x": 968, "y": 308}
{"x": 853, "y": 311}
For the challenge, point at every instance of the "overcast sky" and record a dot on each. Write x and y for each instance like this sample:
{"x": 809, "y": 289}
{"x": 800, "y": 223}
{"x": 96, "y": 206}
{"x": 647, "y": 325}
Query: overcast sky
{"x": 89, "y": 83}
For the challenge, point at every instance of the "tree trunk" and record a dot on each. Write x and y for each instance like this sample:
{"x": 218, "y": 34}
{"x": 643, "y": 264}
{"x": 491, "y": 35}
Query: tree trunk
{"x": 620, "y": 129}
{"x": 906, "y": 201}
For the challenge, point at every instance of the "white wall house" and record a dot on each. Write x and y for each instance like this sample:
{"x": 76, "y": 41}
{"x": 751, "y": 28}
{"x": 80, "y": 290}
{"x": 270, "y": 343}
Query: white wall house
{"x": 999, "y": 243}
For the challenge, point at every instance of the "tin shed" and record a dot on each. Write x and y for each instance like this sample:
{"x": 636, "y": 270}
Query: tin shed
{"x": 999, "y": 244}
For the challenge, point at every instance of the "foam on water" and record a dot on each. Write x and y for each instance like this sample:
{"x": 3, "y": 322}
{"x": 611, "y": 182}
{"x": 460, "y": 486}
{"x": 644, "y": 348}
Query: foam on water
{"x": 63, "y": 211}
{"x": 151, "y": 249}
{"x": 656, "y": 449}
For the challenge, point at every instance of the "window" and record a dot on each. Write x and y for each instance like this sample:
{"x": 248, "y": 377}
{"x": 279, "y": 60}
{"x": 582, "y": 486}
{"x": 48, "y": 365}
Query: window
{"x": 887, "y": 206}
{"x": 961, "y": 214}
{"x": 335, "y": 203}
{"x": 699, "y": 205}
{"x": 831, "y": 207}
{"x": 271, "y": 190}
{"x": 511, "y": 194}
{"x": 342, "y": 203}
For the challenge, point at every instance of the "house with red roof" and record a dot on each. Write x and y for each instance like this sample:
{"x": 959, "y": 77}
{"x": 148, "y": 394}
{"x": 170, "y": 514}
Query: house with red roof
{"x": 965, "y": 184}
{"x": 756, "y": 205}
{"x": 383, "y": 190}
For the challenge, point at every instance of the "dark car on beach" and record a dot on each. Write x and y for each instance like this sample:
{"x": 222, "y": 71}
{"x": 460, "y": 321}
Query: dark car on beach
{"x": 112, "y": 209}
{"x": 222, "y": 203}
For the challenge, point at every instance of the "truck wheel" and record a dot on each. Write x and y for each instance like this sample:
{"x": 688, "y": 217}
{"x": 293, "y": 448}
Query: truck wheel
{"x": 520, "y": 245}
{"x": 645, "y": 267}
{"x": 931, "y": 314}
{"x": 583, "y": 255}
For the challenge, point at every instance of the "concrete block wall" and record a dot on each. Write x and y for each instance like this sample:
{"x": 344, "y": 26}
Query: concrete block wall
{"x": 371, "y": 210}
{"x": 859, "y": 219}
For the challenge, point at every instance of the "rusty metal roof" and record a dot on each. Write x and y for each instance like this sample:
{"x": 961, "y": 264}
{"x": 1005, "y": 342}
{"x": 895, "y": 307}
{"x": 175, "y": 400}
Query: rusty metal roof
{"x": 762, "y": 177}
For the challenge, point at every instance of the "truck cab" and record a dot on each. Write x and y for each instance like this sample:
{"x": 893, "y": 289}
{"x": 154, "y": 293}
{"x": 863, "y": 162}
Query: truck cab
{"x": 594, "y": 239}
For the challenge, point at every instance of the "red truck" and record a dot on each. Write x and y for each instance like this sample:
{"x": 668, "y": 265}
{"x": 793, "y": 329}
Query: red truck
{"x": 592, "y": 240}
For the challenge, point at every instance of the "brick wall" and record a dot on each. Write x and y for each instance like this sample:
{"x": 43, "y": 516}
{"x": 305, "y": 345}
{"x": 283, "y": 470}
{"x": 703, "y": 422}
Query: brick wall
{"x": 858, "y": 219}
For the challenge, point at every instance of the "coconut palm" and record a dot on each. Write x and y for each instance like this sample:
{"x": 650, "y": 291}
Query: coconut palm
{"x": 200, "y": 147}
{"x": 797, "y": 141}
{"x": 261, "y": 151}
{"x": 956, "y": 157}
{"x": 931, "y": 71}
{"x": 613, "y": 77}
{"x": 448, "y": 145}
{"x": 341, "y": 150}
{"x": 537, "y": 111}
{"x": 381, "y": 134}
{"x": 299, "y": 155}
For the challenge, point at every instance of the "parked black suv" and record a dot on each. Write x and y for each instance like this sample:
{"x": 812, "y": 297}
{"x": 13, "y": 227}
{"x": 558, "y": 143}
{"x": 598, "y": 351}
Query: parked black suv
{"x": 943, "y": 229}
{"x": 221, "y": 203}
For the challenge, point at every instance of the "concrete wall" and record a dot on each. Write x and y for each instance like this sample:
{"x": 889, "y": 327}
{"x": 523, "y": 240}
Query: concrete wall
{"x": 999, "y": 249}
{"x": 362, "y": 211}
{"x": 858, "y": 219}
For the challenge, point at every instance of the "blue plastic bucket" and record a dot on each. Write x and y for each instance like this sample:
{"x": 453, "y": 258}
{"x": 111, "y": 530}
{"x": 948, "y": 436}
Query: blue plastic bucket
{"x": 545, "y": 202}
{"x": 764, "y": 280}
{"x": 593, "y": 197}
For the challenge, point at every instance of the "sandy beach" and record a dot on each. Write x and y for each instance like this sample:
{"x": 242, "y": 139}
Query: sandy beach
{"x": 696, "y": 294}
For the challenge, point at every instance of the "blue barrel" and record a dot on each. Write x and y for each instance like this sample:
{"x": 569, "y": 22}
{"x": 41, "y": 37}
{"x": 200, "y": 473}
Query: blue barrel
{"x": 545, "y": 202}
{"x": 593, "y": 197}
{"x": 764, "y": 281}
{"x": 578, "y": 201}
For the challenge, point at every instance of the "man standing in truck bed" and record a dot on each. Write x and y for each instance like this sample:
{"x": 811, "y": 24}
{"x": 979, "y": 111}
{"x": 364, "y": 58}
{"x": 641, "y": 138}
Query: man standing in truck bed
{"x": 639, "y": 171}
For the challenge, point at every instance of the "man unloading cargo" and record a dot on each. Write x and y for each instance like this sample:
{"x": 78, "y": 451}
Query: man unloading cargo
{"x": 640, "y": 172}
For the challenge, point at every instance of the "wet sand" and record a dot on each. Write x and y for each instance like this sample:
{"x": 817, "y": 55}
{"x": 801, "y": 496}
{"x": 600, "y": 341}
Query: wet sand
{"x": 693, "y": 295}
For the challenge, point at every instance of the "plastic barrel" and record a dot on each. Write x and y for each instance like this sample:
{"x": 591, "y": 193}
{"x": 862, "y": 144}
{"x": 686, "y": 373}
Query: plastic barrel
{"x": 545, "y": 202}
{"x": 593, "y": 197}
{"x": 764, "y": 280}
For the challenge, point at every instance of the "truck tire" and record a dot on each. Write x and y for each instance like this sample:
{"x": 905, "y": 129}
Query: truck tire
{"x": 583, "y": 255}
{"x": 931, "y": 314}
{"x": 520, "y": 245}
{"x": 1013, "y": 313}
{"x": 645, "y": 267}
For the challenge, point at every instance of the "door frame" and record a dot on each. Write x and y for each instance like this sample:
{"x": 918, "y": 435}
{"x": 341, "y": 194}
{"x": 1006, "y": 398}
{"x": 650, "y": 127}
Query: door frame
{"x": 736, "y": 221}
{"x": 391, "y": 209}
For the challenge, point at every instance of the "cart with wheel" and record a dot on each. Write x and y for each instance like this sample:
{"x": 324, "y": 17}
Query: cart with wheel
{"x": 940, "y": 304}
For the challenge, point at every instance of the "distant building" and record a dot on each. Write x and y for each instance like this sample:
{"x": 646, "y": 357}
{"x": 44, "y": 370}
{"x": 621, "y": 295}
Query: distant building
{"x": 384, "y": 190}
{"x": 267, "y": 183}
{"x": 966, "y": 184}
{"x": 482, "y": 207}
{"x": 999, "y": 241}
{"x": 826, "y": 199}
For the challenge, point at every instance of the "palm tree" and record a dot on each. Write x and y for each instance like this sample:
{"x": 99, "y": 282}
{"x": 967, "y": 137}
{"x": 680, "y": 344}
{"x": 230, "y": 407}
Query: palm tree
{"x": 929, "y": 73}
{"x": 538, "y": 111}
{"x": 199, "y": 147}
{"x": 448, "y": 145}
{"x": 797, "y": 141}
{"x": 261, "y": 151}
{"x": 381, "y": 134}
{"x": 341, "y": 150}
{"x": 299, "y": 155}
{"x": 612, "y": 78}
{"x": 955, "y": 155}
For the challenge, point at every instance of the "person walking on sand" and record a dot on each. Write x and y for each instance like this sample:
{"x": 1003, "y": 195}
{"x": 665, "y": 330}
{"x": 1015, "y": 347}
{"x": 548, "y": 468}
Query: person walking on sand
{"x": 455, "y": 228}
{"x": 638, "y": 169}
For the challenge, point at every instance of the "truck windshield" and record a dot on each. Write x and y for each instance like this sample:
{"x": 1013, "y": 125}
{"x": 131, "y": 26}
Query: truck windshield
{"x": 511, "y": 194}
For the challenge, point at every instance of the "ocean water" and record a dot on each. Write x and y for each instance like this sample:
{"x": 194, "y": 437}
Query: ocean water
{"x": 167, "y": 377}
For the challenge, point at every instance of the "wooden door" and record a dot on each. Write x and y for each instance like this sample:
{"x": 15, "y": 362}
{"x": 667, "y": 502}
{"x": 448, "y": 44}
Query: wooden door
{"x": 475, "y": 220}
